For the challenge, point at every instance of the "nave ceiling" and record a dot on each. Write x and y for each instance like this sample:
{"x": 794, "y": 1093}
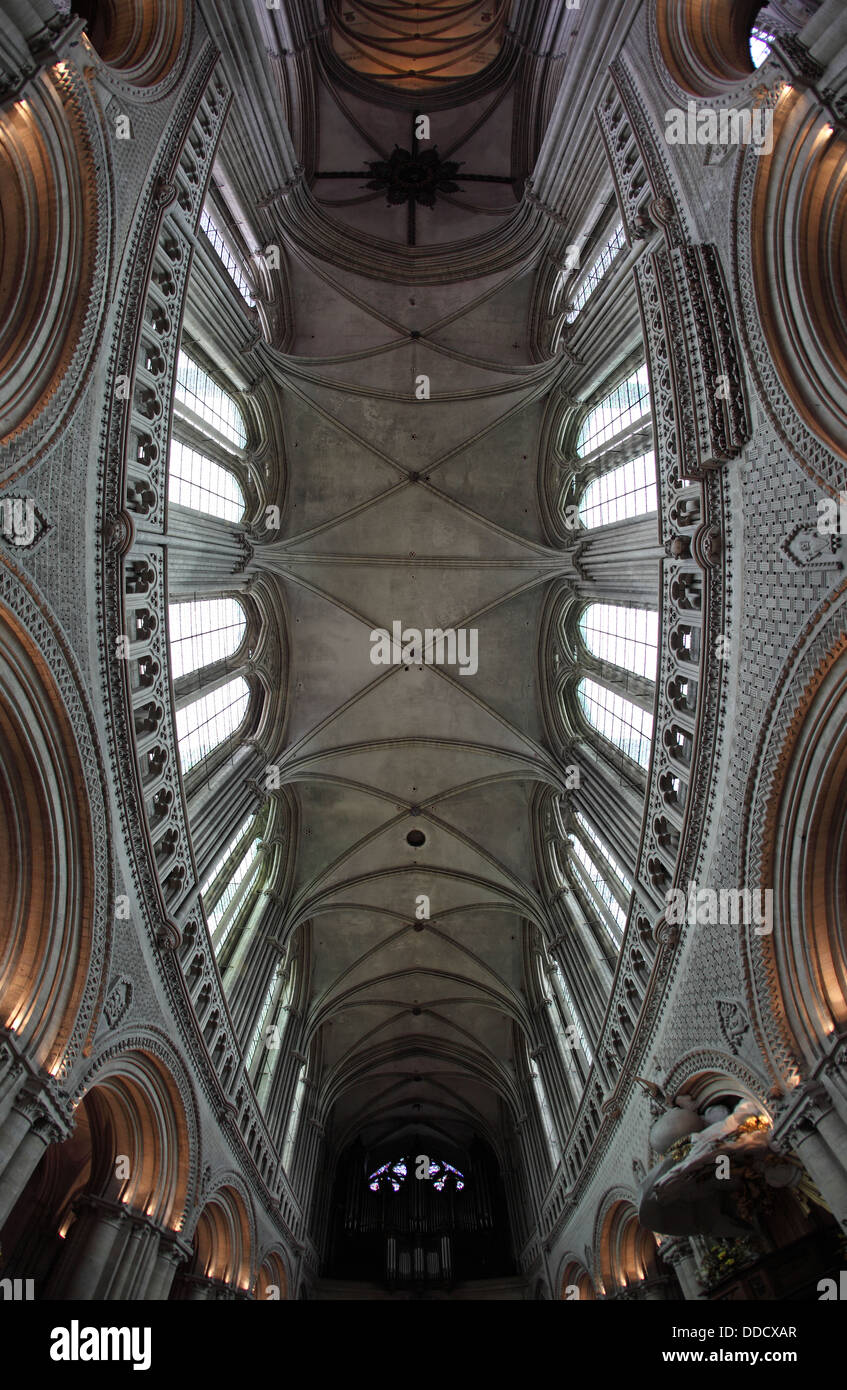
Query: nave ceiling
{"x": 423, "y": 512}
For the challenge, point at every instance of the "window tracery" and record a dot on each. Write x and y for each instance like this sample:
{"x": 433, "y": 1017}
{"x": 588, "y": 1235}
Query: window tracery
{"x": 213, "y": 408}
{"x": 204, "y": 632}
{"x": 221, "y": 247}
{"x": 198, "y": 482}
{"x": 625, "y": 725}
{"x": 210, "y": 719}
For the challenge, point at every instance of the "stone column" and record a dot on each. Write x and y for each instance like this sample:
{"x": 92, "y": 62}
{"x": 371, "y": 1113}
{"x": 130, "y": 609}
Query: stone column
{"x": 677, "y": 1252}
{"x": 826, "y": 1172}
{"x": 92, "y": 1246}
{"x": 31, "y": 1126}
{"x": 170, "y": 1256}
{"x": 198, "y": 1289}
{"x": 817, "y": 1135}
{"x": 133, "y": 1269}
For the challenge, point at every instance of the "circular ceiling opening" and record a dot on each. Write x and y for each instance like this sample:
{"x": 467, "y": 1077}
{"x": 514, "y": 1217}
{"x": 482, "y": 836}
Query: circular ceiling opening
{"x": 416, "y": 838}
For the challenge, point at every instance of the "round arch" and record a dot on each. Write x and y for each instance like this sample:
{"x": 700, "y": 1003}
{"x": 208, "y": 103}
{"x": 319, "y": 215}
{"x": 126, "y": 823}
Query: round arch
{"x": 224, "y": 1235}
{"x": 626, "y": 1251}
{"x": 141, "y": 40}
{"x": 53, "y": 252}
{"x": 800, "y": 197}
{"x": 46, "y": 858}
{"x": 145, "y": 1110}
{"x": 272, "y": 1280}
{"x": 705, "y": 44}
{"x": 805, "y": 859}
{"x": 576, "y": 1283}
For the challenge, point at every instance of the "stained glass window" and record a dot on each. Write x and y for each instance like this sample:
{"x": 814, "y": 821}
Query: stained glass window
{"x": 230, "y": 264}
{"x": 209, "y": 403}
{"x": 627, "y": 637}
{"x": 760, "y": 45}
{"x": 203, "y": 632}
{"x": 208, "y": 720}
{"x": 624, "y": 724}
{"x": 393, "y": 1174}
{"x": 626, "y": 491}
{"x": 626, "y": 405}
{"x": 198, "y": 482}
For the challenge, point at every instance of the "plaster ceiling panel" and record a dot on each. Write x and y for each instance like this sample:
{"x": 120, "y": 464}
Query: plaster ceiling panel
{"x": 444, "y": 852}
{"x": 327, "y": 322}
{"x": 497, "y": 816}
{"x": 417, "y": 703}
{"x": 507, "y": 678}
{"x": 332, "y": 819}
{"x": 329, "y": 660}
{"x": 419, "y": 597}
{"x": 336, "y": 474}
{"x": 403, "y": 886}
{"x": 497, "y": 477}
{"x": 415, "y": 434}
{"x": 420, "y": 775}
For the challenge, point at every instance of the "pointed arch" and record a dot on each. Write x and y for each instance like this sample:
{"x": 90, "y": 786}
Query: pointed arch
{"x": 224, "y": 1236}
{"x": 617, "y": 720}
{"x": 199, "y": 482}
{"x": 203, "y": 632}
{"x": 208, "y": 406}
{"x": 209, "y": 720}
{"x": 622, "y": 634}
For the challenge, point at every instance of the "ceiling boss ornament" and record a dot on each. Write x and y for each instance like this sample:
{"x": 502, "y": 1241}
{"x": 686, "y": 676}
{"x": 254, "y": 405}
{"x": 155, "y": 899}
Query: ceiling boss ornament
{"x": 414, "y": 176}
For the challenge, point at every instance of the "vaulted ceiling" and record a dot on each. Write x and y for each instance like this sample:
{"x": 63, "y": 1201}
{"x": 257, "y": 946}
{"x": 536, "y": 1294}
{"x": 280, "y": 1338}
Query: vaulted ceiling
{"x": 412, "y": 402}
{"x": 418, "y": 46}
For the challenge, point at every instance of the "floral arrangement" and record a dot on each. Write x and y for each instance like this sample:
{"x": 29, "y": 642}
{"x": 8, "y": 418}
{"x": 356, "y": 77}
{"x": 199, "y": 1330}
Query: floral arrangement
{"x": 725, "y": 1256}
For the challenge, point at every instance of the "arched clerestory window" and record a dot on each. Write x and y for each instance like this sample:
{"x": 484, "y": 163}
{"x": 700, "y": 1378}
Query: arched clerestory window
{"x": 293, "y": 1123}
{"x": 623, "y": 724}
{"x": 207, "y": 721}
{"x": 199, "y": 482}
{"x": 626, "y": 406}
{"x": 223, "y": 250}
{"x": 264, "y": 1046}
{"x": 227, "y": 885}
{"x": 597, "y": 271}
{"x": 603, "y": 875}
{"x": 207, "y": 405}
{"x": 623, "y": 635}
{"x": 204, "y": 632}
{"x": 627, "y": 491}
{"x": 760, "y": 45}
{"x": 548, "y": 1124}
